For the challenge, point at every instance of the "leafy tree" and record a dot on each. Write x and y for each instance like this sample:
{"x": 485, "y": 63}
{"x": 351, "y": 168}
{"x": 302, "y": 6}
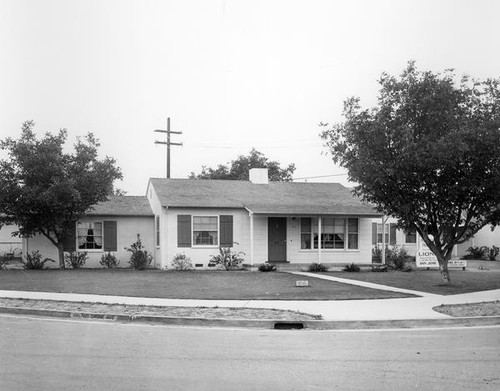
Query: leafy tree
{"x": 44, "y": 188}
{"x": 239, "y": 169}
{"x": 427, "y": 154}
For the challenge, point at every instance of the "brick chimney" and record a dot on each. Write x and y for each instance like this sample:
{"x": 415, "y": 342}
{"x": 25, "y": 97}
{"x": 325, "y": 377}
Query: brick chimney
{"x": 259, "y": 176}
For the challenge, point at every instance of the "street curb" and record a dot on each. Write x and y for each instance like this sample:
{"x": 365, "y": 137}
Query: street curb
{"x": 265, "y": 323}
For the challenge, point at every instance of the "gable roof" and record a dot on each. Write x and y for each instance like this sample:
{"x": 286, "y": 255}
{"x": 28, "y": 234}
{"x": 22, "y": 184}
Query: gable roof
{"x": 123, "y": 206}
{"x": 273, "y": 198}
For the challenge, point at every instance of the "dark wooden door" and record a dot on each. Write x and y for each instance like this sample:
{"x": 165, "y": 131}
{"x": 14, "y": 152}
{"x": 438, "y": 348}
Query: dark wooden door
{"x": 276, "y": 239}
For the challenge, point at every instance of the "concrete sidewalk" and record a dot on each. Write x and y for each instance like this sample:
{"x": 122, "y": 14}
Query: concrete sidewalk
{"x": 417, "y": 308}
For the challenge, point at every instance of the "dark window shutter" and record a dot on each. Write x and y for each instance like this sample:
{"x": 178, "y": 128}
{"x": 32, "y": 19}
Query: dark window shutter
{"x": 226, "y": 231}
{"x": 392, "y": 234}
{"x": 69, "y": 242}
{"x": 374, "y": 233}
{"x": 110, "y": 236}
{"x": 183, "y": 230}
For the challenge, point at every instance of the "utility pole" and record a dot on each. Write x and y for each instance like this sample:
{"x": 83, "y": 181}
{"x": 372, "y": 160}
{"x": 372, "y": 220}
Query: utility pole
{"x": 168, "y": 143}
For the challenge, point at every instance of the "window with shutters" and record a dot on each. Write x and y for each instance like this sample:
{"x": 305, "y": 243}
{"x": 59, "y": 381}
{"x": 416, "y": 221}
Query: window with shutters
{"x": 89, "y": 236}
{"x": 205, "y": 230}
{"x": 390, "y": 233}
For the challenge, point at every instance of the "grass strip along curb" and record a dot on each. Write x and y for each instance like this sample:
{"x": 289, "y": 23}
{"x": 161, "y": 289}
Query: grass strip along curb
{"x": 264, "y": 323}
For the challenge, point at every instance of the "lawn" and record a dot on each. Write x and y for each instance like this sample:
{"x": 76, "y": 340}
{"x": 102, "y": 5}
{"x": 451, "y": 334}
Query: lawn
{"x": 430, "y": 280}
{"x": 221, "y": 285}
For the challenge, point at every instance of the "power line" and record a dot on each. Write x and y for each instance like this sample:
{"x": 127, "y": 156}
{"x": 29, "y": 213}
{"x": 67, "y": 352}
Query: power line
{"x": 320, "y": 176}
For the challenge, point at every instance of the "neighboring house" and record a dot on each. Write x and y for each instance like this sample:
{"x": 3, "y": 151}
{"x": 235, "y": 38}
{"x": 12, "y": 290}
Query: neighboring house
{"x": 110, "y": 227}
{"x": 485, "y": 237}
{"x": 297, "y": 223}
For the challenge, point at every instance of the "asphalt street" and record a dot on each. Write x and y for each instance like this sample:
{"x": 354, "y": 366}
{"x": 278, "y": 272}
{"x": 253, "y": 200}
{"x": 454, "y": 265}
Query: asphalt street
{"x": 54, "y": 354}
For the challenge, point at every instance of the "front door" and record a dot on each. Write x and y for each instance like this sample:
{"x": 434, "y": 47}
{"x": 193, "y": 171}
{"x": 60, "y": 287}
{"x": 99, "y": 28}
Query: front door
{"x": 276, "y": 239}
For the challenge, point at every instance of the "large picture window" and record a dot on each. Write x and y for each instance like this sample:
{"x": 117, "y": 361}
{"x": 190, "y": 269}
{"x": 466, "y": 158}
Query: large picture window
{"x": 336, "y": 233}
{"x": 205, "y": 231}
{"x": 90, "y": 236}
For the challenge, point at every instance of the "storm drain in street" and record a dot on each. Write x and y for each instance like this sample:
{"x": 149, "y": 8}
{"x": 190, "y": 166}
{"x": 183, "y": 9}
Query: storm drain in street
{"x": 288, "y": 326}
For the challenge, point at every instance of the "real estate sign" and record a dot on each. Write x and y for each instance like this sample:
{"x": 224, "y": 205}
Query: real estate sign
{"x": 426, "y": 258}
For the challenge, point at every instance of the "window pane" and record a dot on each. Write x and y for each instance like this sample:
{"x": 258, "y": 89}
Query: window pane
{"x": 339, "y": 226}
{"x": 305, "y": 225}
{"x": 327, "y": 240}
{"x": 327, "y": 226}
{"x": 353, "y": 241}
{"x": 205, "y": 230}
{"x": 339, "y": 240}
{"x": 353, "y": 225}
{"x": 411, "y": 237}
{"x": 305, "y": 241}
{"x": 89, "y": 236}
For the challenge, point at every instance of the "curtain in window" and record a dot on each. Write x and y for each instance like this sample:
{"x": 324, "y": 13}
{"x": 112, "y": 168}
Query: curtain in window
{"x": 98, "y": 235}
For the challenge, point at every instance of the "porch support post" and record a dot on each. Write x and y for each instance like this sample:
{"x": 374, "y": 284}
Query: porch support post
{"x": 250, "y": 214}
{"x": 384, "y": 221}
{"x": 319, "y": 239}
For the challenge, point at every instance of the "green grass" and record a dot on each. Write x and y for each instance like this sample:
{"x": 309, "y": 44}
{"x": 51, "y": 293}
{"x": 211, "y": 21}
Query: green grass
{"x": 430, "y": 280}
{"x": 222, "y": 285}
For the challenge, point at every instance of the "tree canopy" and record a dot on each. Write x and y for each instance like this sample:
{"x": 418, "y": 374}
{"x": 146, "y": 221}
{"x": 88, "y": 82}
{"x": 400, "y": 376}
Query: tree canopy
{"x": 44, "y": 188}
{"x": 427, "y": 154}
{"x": 239, "y": 169}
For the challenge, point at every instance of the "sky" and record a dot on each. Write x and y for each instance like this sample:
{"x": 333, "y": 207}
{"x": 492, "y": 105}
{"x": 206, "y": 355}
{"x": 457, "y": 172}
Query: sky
{"x": 231, "y": 75}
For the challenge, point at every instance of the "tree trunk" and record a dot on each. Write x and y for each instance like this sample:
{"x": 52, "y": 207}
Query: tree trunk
{"x": 60, "y": 250}
{"x": 445, "y": 274}
{"x": 443, "y": 267}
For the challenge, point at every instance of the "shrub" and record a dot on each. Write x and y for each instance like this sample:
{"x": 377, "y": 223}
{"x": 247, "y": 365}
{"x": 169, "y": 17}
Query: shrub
{"x": 182, "y": 262}
{"x": 75, "y": 259}
{"x": 492, "y": 253}
{"x": 34, "y": 261}
{"x": 109, "y": 260}
{"x": 352, "y": 268}
{"x": 316, "y": 267}
{"x": 379, "y": 268}
{"x": 477, "y": 252}
{"x": 140, "y": 258}
{"x": 227, "y": 259}
{"x": 396, "y": 257}
{"x": 267, "y": 267}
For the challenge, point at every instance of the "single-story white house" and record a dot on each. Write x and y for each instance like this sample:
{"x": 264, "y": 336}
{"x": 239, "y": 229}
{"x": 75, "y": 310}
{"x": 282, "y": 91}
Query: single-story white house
{"x": 110, "y": 227}
{"x": 280, "y": 222}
